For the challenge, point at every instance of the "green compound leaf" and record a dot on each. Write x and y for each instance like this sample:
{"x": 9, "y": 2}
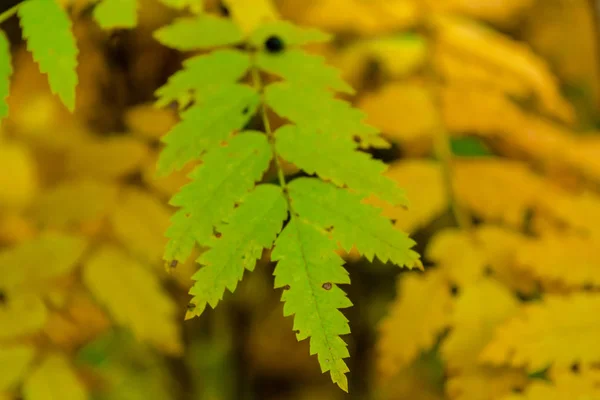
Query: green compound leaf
{"x": 300, "y": 68}
{"x": 289, "y": 33}
{"x": 47, "y": 30}
{"x": 5, "y": 73}
{"x": 337, "y": 160}
{"x": 203, "y": 73}
{"x": 316, "y": 109}
{"x": 225, "y": 176}
{"x": 308, "y": 269}
{"x": 251, "y": 228}
{"x": 351, "y": 222}
{"x": 205, "y": 125}
{"x": 201, "y": 32}
{"x": 112, "y": 14}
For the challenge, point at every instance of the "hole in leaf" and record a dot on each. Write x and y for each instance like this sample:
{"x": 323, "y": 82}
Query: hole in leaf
{"x": 274, "y": 44}
{"x": 327, "y": 286}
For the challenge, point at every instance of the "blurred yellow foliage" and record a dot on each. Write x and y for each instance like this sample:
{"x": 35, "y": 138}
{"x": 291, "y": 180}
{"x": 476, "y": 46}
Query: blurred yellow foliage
{"x": 507, "y": 299}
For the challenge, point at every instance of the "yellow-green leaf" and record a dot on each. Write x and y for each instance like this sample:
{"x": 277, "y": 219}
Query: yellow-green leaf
{"x": 134, "y": 297}
{"x": 22, "y": 314}
{"x": 54, "y": 379}
{"x": 201, "y": 32}
{"x": 13, "y": 364}
{"x": 43, "y": 258}
{"x": 116, "y": 14}
{"x": 5, "y": 73}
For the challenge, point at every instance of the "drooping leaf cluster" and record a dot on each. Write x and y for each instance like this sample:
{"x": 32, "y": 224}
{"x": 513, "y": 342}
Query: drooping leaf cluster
{"x": 229, "y": 211}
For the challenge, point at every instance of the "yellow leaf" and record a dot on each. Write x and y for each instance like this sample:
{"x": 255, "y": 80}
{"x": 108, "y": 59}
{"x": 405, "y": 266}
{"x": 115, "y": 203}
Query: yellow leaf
{"x": 107, "y": 158}
{"x": 460, "y": 257}
{"x": 506, "y": 11}
{"x": 373, "y": 17}
{"x": 15, "y": 228}
{"x": 419, "y": 117}
{"x": 396, "y": 57}
{"x": 75, "y": 202}
{"x": 18, "y": 187}
{"x": 568, "y": 325}
{"x": 470, "y": 40}
{"x": 485, "y": 383}
{"x": 564, "y": 386}
{"x": 415, "y": 320}
{"x": 134, "y": 297}
{"x": 54, "y": 379}
{"x": 139, "y": 222}
{"x": 422, "y": 180}
{"x": 21, "y": 314}
{"x": 148, "y": 121}
{"x": 504, "y": 190}
{"x": 478, "y": 310}
{"x": 476, "y": 110}
{"x": 578, "y": 211}
{"x": 571, "y": 260}
{"x": 563, "y": 32}
{"x": 502, "y": 247}
{"x": 463, "y": 72}
{"x": 249, "y": 14}
{"x": 79, "y": 321}
{"x": 13, "y": 364}
{"x": 583, "y": 155}
{"x": 45, "y": 257}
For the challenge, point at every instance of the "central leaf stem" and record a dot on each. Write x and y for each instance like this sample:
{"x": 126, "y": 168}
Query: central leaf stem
{"x": 257, "y": 81}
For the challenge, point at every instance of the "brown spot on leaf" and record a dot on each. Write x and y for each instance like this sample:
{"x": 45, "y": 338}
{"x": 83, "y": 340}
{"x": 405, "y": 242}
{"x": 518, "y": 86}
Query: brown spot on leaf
{"x": 286, "y": 287}
{"x": 327, "y": 286}
{"x": 191, "y": 306}
{"x": 173, "y": 263}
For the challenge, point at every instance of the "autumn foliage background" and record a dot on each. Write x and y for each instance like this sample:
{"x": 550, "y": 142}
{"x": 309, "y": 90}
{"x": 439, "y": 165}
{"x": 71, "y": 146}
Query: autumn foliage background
{"x": 492, "y": 109}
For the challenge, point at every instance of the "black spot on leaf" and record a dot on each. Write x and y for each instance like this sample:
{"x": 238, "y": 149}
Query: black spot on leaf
{"x": 191, "y": 306}
{"x": 327, "y": 286}
{"x": 3, "y": 298}
{"x": 245, "y": 110}
{"x": 454, "y": 290}
{"x": 575, "y": 368}
{"x": 274, "y": 44}
{"x": 224, "y": 10}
